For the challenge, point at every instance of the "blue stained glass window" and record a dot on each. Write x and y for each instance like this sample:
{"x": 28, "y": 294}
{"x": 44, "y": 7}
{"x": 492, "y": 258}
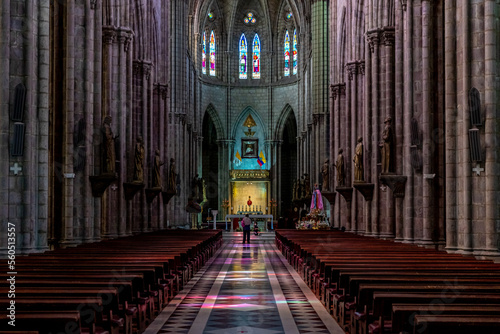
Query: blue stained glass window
{"x": 243, "y": 57}
{"x": 256, "y": 57}
{"x": 295, "y": 52}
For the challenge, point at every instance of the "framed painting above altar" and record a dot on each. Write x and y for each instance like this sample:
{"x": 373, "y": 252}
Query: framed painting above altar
{"x": 249, "y": 148}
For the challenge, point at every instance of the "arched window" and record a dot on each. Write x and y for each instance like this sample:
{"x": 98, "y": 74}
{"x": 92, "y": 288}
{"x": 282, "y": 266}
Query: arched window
{"x": 287, "y": 54}
{"x": 295, "y": 55}
{"x": 204, "y": 54}
{"x": 212, "y": 53}
{"x": 256, "y": 57}
{"x": 243, "y": 57}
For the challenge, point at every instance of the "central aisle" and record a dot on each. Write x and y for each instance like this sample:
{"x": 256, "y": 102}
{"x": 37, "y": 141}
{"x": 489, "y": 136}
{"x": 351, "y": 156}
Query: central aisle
{"x": 245, "y": 288}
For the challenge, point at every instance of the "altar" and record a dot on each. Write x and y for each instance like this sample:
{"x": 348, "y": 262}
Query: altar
{"x": 230, "y": 217}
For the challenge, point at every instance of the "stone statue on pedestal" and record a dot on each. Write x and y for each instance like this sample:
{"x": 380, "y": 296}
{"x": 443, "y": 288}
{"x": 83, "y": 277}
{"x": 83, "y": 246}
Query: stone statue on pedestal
{"x": 339, "y": 165}
{"x": 172, "y": 177}
{"x": 325, "y": 173}
{"x": 358, "y": 162}
{"x": 156, "y": 170}
{"x": 139, "y": 161}
{"x": 108, "y": 147}
{"x": 386, "y": 146}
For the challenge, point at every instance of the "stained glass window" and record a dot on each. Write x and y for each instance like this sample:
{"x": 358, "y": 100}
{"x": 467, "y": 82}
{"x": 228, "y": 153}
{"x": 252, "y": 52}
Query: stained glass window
{"x": 211, "y": 16}
{"x": 295, "y": 55}
{"x": 250, "y": 18}
{"x": 212, "y": 53}
{"x": 243, "y": 57}
{"x": 289, "y": 15}
{"x": 287, "y": 54}
{"x": 204, "y": 54}
{"x": 256, "y": 57}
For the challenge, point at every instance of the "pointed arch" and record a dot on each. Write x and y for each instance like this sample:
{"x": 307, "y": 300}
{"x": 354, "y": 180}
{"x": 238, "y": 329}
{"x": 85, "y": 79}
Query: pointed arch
{"x": 214, "y": 115}
{"x": 243, "y": 56}
{"x": 243, "y": 115}
{"x": 285, "y": 114}
{"x": 256, "y": 57}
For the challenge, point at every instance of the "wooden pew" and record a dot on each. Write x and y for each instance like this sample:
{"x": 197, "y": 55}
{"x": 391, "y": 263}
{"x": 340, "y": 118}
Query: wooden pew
{"x": 456, "y": 324}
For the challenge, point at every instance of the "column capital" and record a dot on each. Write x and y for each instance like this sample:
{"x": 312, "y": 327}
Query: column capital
{"x": 338, "y": 90}
{"x": 318, "y": 118}
{"x": 352, "y": 69}
{"x": 108, "y": 34}
{"x": 388, "y": 36}
{"x": 162, "y": 89}
{"x": 373, "y": 38}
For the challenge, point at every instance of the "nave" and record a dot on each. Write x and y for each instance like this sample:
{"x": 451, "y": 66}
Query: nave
{"x": 245, "y": 288}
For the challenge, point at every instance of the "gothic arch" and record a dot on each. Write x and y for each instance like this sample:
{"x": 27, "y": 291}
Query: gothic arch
{"x": 243, "y": 115}
{"x": 282, "y": 121}
{"x": 214, "y": 115}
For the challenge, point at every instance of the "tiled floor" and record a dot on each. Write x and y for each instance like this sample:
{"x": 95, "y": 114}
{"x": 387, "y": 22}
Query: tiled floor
{"x": 245, "y": 288}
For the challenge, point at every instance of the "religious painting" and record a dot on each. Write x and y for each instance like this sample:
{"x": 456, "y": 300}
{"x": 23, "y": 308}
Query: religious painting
{"x": 249, "y": 148}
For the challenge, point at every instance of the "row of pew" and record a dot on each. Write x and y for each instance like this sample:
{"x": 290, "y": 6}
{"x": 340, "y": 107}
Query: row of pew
{"x": 380, "y": 286}
{"x": 111, "y": 287}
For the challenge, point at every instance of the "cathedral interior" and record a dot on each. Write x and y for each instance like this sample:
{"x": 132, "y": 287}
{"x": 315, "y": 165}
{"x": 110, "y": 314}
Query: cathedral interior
{"x": 123, "y": 119}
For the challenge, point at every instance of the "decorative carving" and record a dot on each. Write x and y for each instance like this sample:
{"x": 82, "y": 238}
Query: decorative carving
{"x": 249, "y": 174}
{"x": 316, "y": 119}
{"x": 373, "y": 37}
{"x": 388, "y": 36}
{"x": 361, "y": 67}
{"x": 93, "y": 4}
{"x": 146, "y": 69}
{"x": 352, "y": 70}
{"x": 330, "y": 196}
{"x": 108, "y": 35}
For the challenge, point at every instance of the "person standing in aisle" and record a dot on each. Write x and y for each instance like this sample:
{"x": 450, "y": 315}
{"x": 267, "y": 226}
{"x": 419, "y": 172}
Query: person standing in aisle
{"x": 245, "y": 224}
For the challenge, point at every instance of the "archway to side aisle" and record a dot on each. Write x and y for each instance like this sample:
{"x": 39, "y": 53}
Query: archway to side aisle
{"x": 287, "y": 134}
{"x": 212, "y": 131}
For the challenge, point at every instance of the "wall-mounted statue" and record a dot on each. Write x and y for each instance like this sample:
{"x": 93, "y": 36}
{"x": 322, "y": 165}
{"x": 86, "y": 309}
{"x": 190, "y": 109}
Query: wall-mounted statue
{"x": 386, "y": 146}
{"x": 108, "y": 147}
{"x": 307, "y": 186}
{"x": 139, "y": 161}
{"x": 358, "y": 162}
{"x": 325, "y": 173}
{"x": 157, "y": 170}
{"x": 339, "y": 165}
{"x": 172, "y": 177}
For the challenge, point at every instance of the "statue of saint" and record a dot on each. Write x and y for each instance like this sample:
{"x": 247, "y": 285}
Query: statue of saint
{"x": 325, "y": 173}
{"x": 172, "y": 177}
{"x": 339, "y": 165}
{"x": 307, "y": 185}
{"x": 108, "y": 147}
{"x": 156, "y": 170}
{"x": 139, "y": 161}
{"x": 358, "y": 162}
{"x": 386, "y": 146}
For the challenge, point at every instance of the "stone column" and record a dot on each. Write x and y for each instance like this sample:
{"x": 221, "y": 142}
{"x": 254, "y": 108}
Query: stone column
{"x": 408, "y": 221}
{"x": 68, "y": 121}
{"x": 451, "y": 143}
{"x": 373, "y": 42}
{"x": 352, "y": 125}
{"x": 319, "y": 88}
{"x": 492, "y": 130}
{"x": 427, "y": 124}
{"x": 368, "y": 126}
